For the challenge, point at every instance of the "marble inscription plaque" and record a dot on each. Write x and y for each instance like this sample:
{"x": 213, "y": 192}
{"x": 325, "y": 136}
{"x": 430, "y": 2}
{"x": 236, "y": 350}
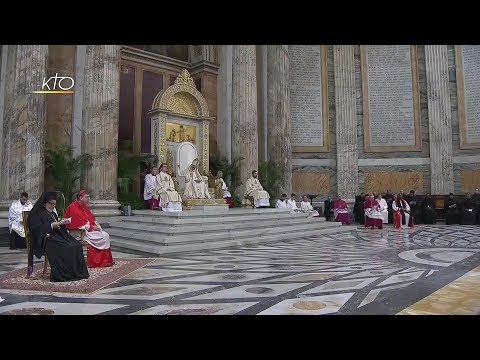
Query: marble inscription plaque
{"x": 307, "y": 79}
{"x": 468, "y": 77}
{"x": 391, "y": 121}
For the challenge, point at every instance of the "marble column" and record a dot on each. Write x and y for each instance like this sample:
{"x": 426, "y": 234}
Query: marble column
{"x": 262, "y": 97}
{"x": 24, "y": 121}
{"x": 439, "y": 119}
{"x": 100, "y": 125}
{"x": 224, "y": 102}
{"x": 278, "y": 113}
{"x": 244, "y": 110}
{"x": 346, "y": 123}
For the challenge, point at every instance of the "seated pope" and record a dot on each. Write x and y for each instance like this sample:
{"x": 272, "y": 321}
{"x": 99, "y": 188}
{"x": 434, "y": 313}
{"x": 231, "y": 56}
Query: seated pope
{"x": 196, "y": 186}
{"x": 170, "y": 200}
{"x": 82, "y": 220}
{"x": 254, "y": 189}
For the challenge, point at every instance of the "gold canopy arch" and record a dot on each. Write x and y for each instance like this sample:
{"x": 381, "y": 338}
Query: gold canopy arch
{"x": 182, "y": 101}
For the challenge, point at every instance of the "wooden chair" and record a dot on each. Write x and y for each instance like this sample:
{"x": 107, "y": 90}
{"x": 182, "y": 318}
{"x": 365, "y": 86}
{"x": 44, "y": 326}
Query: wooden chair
{"x": 81, "y": 238}
{"x": 28, "y": 241}
{"x": 249, "y": 198}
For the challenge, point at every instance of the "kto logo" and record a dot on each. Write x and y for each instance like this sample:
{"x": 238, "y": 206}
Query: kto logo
{"x": 57, "y": 85}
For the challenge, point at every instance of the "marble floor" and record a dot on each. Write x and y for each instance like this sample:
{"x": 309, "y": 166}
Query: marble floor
{"x": 426, "y": 270}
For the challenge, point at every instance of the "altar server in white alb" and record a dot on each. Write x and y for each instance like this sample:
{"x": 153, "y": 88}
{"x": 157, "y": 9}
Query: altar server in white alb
{"x": 15, "y": 222}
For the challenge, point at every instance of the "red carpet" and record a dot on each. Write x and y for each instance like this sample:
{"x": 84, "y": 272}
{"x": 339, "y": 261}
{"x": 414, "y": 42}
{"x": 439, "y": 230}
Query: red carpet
{"x": 99, "y": 278}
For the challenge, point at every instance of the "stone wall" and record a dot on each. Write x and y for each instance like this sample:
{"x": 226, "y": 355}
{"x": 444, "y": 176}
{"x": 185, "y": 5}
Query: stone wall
{"x": 392, "y": 166}
{"x": 462, "y": 164}
{"x": 322, "y": 162}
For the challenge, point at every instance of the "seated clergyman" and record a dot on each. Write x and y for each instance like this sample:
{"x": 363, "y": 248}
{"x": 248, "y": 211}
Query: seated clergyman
{"x": 306, "y": 207}
{"x": 196, "y": 185}
{"x": 221, "y": 190}
{"x": 282, "y": 202}
{"x": 254, "y": 189}
{"x": 170, "y": 200}
{"x": 82, "y": 219}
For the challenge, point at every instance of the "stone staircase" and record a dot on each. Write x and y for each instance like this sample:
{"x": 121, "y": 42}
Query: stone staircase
{"x": 154, "y": 233}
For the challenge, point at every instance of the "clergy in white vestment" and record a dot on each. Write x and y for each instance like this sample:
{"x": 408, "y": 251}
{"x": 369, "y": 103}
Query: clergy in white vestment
{"x": 282, "y": 202}
{"x": 292, "y": 204}
{"x": 15, "y": 221}
{"x": 383, "y": 208}
{"x": 170, "y": 200}
{"x": 254, "y": 189}
{"x": 149, "y": 189}
{"x": 196, "y": 185}
{"x": 307, "y": 208}
{"x": 221, "y": 189}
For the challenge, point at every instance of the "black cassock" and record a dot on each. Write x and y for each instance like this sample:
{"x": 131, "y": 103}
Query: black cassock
{"x": 64, "y": 252}
{"x": 428, "y": 210}
{"x": 468, "y": 214}
{"x": 415, "y": 209}
{"x": 476, "y": 202}
{"x": 359, "y": 210}
{"x": 451, "y": 211}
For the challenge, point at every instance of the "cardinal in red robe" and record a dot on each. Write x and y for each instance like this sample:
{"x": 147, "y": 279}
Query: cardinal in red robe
{"x": 82, "y": 219}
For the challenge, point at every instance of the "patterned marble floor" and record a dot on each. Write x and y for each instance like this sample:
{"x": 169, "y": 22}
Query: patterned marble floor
{"x": 362, "y": 271}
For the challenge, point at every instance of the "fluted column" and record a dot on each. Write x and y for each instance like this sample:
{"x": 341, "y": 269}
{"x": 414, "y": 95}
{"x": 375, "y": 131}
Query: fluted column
{"x": 278, "y": 113}
{"x": 224, "y": 101}
{"x": 440, "y": 119}
{"x": 244, "y": 110}
{"x": 346, "y": 122}
{"x": 100, "y": 125}
{"x": 24, "y": 121}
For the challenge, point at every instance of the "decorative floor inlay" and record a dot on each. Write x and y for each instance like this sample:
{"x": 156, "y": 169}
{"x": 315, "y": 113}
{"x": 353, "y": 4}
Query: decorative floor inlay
{"x": 426, "y": 270}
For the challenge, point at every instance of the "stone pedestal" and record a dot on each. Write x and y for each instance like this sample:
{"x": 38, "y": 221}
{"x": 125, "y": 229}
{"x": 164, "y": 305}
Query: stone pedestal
{"x": 346, "y": 121}
{"x": 244, "y": 111}
{"x": 204, "y": 204}
{"x": 439, "y": 119}
{"x": 24, "y": 121}
{"x": 100, "y": 125}
{"x": 278, "y": 113}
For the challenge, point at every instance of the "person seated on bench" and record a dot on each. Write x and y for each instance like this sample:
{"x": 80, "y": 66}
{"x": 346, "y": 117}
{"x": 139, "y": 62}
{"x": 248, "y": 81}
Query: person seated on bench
{"x": 401, "y": 213}
{"x": 282, "y": 202}
{"x": 292, "y": 204}
{"x": 307, "y": 208}
{"x": 340, "y": 212}
{"x": 428, "y": 210}
{"x": 98, "y": 253}
{"x": 373, "y": 217}
{"x": 451, "y": 210}
{"x": 468, "y": 212}
{"x": 383, "y": 208}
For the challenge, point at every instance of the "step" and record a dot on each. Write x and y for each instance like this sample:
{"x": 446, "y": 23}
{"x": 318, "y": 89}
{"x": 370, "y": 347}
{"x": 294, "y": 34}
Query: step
{"x": 211, "y": 227}
{"x": 210, "y": 236}
{"x": 188, "y": 213}
{"x": 139, "y": 247}
{"x": 213, "y": 218}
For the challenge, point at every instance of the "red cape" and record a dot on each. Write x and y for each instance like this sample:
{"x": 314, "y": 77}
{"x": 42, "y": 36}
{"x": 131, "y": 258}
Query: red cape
{"x": 80, "y": 216}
